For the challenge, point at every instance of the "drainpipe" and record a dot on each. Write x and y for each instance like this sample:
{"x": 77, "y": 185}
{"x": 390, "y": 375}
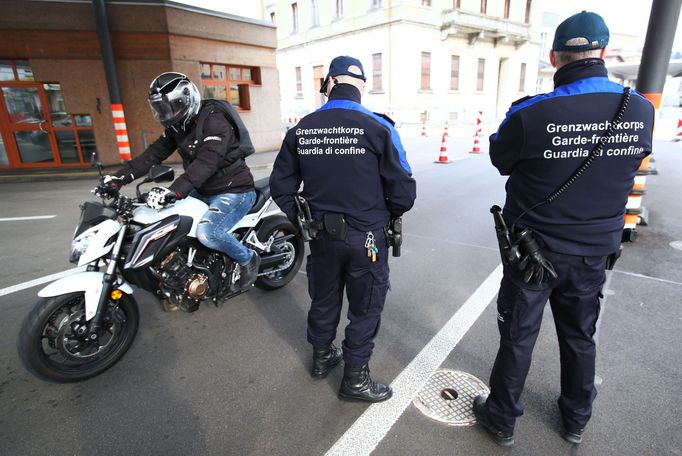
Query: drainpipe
{"x": 112, "y": 80}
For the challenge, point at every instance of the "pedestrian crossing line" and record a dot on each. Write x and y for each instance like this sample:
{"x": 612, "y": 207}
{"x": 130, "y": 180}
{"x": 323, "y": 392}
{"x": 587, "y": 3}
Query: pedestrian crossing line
{"x": 373, "y": 425}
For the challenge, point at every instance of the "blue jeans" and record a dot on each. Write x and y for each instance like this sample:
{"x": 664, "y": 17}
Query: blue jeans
{"x": 224, "y": 211}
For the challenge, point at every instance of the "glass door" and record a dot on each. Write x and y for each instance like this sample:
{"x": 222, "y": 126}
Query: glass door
{"x": 28, "y": 137}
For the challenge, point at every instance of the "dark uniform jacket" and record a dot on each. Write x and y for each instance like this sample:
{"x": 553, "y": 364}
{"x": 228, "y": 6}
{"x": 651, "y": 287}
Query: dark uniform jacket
{"x": 207, "y": 165}
{"x": 351, "y": 161}
{"x": 545, "y": 138}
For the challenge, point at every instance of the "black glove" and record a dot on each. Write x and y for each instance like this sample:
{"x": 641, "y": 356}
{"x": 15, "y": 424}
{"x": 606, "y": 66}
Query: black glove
{"x": 108, "y": 186}
{"x": 160, "y": 197}
{"x": 534, "y": 266}
{"x": 538, "y": 269}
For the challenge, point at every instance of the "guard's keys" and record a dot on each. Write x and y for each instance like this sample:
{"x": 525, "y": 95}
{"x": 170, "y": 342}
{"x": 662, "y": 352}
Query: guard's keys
{"x": 371, "y": 246}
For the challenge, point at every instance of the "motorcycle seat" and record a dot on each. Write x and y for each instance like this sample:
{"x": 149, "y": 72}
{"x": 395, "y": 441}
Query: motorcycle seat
{"x": 262, "y": 194}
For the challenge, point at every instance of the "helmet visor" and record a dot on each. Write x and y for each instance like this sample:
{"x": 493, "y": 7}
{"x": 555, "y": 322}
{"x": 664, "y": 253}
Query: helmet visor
{"x": 167, "y": 111}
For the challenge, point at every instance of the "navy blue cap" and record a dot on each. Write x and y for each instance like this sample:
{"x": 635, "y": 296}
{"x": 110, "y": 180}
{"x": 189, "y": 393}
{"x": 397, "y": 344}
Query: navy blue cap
{"x": 581, "y": 32}
{"x": 343, "y": 64}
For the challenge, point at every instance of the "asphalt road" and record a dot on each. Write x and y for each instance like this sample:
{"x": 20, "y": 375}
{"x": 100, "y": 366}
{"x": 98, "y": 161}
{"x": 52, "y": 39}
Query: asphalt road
{"x": 234, "y": 380}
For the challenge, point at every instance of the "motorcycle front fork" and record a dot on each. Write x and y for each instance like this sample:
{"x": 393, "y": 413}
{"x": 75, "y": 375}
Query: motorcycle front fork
{"x": 107, "y": 285}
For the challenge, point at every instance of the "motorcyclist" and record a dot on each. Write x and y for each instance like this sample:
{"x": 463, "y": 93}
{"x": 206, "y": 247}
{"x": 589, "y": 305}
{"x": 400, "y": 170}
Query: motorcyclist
{"x": 215, "y": 170}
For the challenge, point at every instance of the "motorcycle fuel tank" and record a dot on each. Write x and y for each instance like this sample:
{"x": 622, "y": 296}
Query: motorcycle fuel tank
{"x": 190, "y": 207}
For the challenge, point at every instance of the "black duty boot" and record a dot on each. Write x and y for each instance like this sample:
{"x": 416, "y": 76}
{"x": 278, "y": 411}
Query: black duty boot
{"x": 501, "y": 438}
{"x": 249, "y": 272}
{"x": 324, "y": 359}
{"x": 574, "y": 436}
{"x": 358, "y": 385}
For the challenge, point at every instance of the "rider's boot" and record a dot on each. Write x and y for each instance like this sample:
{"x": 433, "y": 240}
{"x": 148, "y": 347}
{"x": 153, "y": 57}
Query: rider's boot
{"x": 249, "y": 272}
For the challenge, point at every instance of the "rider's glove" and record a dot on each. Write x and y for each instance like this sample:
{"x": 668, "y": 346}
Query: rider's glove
{"x": 160, "y": 197}
{"x": 109, "y": 186}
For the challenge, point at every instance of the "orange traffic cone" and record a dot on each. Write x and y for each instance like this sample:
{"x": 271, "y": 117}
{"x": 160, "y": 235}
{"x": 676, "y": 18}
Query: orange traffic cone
{"x": 424, "y": 135}
{"x": 445, "y": 133}
{"x": 476, "y": 149}
{"x": 443, "y": 156}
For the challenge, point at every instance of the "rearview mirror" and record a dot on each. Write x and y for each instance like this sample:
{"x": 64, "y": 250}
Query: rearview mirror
{"x": 96, "y": 163}
{"x": 160, "y": 173}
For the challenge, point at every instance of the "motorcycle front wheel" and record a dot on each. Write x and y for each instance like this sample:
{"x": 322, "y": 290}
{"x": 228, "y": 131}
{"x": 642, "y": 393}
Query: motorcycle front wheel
{"x": 53, "y": 340}
{"x": 287, "y": 245}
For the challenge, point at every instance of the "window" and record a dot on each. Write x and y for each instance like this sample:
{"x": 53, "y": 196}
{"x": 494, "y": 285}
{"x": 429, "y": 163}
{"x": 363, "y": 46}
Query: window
{"x": 228, "y": 82}
{"x": 42, "y": 130}
{"x": 375, "y": 4}
{"x": 481, "y": 73}
{"x": 426, "y": 71}
{"x": 456, "y": 4}
{"x": 522, "y": 79}
{"x": 484, "y": 6}
{"x": 315, "y": 11}
{"x": 454, "y": 73}
{"x": 74, "y": 133}
{"x": 339, "y": 9}
{"x": 544, "y": 43}
{"x": 15, "y": 70}
{"x": 272, "y": 18}
{"x": 528, "y": 2}
{"x": 294, "y": 17}
{"x": 376, "y": 73}
{"x": 299, "y": 82}
{"x": 426, "y": 2}
{"x": 506, "y": 8}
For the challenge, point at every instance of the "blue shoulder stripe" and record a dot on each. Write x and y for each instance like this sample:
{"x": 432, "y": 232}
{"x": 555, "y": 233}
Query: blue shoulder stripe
{"x": 395, "y": 138}
{"x": 597, "y": 84}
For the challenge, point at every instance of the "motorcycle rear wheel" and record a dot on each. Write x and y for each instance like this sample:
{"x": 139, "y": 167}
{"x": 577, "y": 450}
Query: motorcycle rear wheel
{"x": 52, "y": 343}
{"x": 277, "y": 228}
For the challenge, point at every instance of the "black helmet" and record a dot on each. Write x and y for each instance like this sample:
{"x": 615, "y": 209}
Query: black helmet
{"x": 174, "y": 99}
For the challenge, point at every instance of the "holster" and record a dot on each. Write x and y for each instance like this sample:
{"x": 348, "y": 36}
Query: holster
{"x": 611, "y": 259}
{"x": 335, "y": 226}
{"x": 520, "y": 249}
{"x": 332, "y": 224}
{"x": 394, "y": 235}
{"x": 309, "y": 228}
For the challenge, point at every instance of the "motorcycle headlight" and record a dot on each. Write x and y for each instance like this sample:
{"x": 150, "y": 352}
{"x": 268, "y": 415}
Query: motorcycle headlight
{"x": 80, "y": 245}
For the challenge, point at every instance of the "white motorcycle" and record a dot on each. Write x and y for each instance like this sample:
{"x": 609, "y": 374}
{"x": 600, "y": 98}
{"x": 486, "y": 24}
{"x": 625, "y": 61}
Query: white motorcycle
{"x": 83, "y": 323}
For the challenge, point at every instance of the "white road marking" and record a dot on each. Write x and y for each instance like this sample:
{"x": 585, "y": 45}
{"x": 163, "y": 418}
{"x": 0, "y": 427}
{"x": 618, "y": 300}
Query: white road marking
{"x": 17, "y": 219}
{"x": 373, "y": 425}
{"x": 448, "y": 241}
{"x": 642, "y": 276}
{"x": 39, "y": 281}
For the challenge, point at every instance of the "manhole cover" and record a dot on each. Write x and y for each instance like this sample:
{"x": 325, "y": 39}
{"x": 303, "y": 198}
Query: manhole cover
{"x": 676, "y": 245}
{"x": 448, "y": 396}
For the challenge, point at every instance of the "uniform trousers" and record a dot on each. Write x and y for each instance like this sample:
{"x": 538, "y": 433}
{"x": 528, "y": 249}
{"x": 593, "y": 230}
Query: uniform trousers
{"x": 333, "y": 266}
{"x": 575, "y": 301}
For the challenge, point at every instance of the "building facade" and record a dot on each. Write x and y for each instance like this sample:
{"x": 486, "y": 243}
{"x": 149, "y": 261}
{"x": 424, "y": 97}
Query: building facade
{"x": 55, "y": 107}
{"x": 425, "y": 60}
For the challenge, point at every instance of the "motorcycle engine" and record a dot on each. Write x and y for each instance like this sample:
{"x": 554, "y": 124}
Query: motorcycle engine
{"x": 183, "y": 285}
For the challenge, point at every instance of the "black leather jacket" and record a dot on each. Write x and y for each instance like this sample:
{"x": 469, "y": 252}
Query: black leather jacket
{"x": 212, "y": 167}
